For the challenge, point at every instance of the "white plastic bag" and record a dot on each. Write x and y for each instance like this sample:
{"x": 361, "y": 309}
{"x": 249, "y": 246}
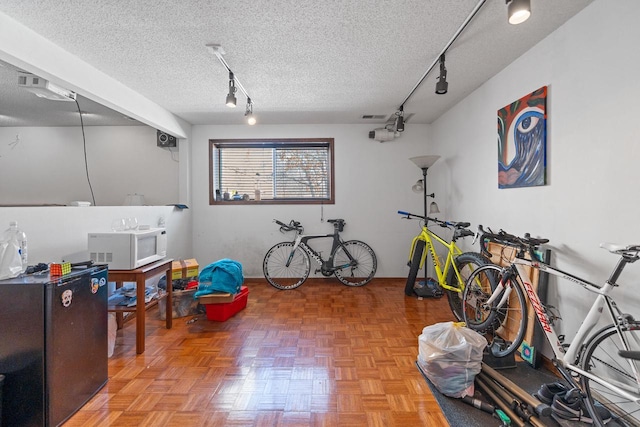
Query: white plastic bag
{"x": 112, "y": 334}
{"x": 10, "y": 260}
{"x": 450, "y": 355}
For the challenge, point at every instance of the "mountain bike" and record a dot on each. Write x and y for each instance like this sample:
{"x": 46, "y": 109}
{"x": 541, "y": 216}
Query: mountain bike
{"x": 457, "y": 267}
{"x": 603, "y": 365}
{"x": 286, "y": 265}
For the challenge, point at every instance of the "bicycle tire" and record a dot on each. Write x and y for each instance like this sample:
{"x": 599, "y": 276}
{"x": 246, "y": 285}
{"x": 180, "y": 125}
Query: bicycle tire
{"x": 494, "y": 324}
{"x": 466, "y": 264}
{"x": 414, "y": 266}
{"x": 275, "y": 268}
{"x": 600, "y": 357}
{"x": 362, "y": 263}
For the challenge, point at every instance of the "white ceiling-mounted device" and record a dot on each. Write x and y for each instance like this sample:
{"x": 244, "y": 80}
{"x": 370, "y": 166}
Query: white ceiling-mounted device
{"x": 383, "y": 134}
{"x": 44, "y": 88}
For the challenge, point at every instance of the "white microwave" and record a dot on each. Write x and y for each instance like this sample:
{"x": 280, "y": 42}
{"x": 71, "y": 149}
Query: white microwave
{"x": 128, "y": 250}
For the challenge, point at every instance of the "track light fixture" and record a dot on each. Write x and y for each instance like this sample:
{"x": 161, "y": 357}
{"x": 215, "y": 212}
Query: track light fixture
{"x": 442, "y": 86}
{"x": 234, "y": 84}
{"x": 248, "y": 113}
{"x": 231, "y": 97}
{"x": 518, "y": 11}
{"x": 399, "y": 125}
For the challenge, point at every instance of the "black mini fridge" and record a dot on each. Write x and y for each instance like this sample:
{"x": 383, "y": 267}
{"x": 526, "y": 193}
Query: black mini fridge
{"x": 53, "y": 345}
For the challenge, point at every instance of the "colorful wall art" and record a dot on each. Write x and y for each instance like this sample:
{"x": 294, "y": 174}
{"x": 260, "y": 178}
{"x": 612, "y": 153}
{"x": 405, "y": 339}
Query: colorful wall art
{"x": 522, "y": 141}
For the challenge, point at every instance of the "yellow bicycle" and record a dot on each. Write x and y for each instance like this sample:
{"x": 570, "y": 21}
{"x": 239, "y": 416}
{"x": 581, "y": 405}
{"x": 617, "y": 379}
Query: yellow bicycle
{"x": 457, "y": 267}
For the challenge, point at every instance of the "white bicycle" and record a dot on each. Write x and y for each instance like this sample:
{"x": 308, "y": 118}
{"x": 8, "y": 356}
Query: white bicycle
{"x": 603, "y": 365}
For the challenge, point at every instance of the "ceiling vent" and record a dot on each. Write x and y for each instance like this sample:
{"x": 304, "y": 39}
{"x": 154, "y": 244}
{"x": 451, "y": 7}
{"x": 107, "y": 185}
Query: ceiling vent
{"x": 44, "y": 88}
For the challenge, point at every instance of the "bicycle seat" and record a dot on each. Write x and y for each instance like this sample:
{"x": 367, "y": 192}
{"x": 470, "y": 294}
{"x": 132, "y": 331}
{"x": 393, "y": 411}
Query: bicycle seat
{"x": 337, "y": 223}
{"x": 462, "y": 225}
{"x": 619, "y": 249}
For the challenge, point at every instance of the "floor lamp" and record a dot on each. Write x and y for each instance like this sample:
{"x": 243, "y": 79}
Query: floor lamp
{"x": 424, "y": 163}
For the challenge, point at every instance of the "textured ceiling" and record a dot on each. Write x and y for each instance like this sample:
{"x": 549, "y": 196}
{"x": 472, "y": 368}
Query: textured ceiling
{"x": 301, "y": 61}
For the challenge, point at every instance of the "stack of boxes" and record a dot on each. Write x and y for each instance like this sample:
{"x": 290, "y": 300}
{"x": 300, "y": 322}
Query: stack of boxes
{"x": 219, "y": 306}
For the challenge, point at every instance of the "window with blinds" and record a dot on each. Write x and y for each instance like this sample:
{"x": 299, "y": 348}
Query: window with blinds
{"x": 271, "y": 171}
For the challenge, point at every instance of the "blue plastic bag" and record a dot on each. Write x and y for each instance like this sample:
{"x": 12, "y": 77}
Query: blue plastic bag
{"x": 224, "y": 276}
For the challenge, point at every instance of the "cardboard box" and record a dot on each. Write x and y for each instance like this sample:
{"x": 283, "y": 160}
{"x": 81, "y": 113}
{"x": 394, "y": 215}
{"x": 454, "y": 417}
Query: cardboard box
{"x": 216, "y": 298}
{"x": 221, "y": 312}
{"x": 184, "y": 268}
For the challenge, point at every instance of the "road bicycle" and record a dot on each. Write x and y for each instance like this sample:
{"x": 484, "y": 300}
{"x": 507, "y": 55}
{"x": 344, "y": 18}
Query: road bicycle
{"x": 453, "y": 274}
{"x": 603, "y": 364}
{"x": 286, "y": 265}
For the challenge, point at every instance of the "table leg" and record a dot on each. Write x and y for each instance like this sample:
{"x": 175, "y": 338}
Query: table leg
{"x": 140, "y": 312}
{"x": 119, "y": 315}
{"x": 169, "y": 301}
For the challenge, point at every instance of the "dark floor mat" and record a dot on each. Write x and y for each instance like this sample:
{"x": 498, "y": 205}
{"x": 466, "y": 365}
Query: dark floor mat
{"x": 529, "y": 379}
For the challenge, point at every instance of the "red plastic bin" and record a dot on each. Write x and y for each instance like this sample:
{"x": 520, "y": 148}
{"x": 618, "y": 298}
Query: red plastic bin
{"x": 222, "y": 311}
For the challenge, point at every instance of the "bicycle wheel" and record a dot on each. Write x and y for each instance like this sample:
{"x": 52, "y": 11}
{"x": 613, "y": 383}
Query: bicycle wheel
{"x": 503, "y": 328}
{"x": 600, "y": 358}
{"x": 466, "y": 264}
{"x": 281, "y": 275}
{"x": 355, "y": 263}
{"x": 414, "y": 266}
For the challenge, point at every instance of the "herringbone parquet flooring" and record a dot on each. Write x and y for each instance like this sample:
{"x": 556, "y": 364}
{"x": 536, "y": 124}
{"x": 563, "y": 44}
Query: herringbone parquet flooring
{"x": 320, "y": 355}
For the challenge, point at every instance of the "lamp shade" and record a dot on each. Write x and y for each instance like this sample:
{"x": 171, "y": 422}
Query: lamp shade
{"x": 418, "y": 187}
{"x": 424, "y": 162}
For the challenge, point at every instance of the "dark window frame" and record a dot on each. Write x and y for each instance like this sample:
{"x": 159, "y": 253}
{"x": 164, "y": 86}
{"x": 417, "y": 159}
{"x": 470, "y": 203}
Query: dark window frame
{"x": 273, "y": 143}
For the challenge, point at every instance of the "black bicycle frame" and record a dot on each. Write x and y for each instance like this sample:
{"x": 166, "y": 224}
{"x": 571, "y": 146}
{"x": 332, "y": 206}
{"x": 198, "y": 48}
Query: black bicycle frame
{"x": 327, "y": 265}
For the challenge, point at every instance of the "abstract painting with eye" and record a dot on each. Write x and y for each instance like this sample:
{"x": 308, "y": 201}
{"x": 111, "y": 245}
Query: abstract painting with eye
{"x": 522, "y": 141}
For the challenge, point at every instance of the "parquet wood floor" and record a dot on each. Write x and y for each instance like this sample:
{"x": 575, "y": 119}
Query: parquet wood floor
{"x": 320, "y": 355}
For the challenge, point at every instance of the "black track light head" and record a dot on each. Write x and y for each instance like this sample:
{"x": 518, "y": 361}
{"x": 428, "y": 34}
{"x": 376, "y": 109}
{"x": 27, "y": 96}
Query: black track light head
{"x": 518, "y": 11}
{"x": 399, "y": 125}
{"x": 231, "y": 97}
{"x": 248, "y": 113}
{"x": 442, "y": 86}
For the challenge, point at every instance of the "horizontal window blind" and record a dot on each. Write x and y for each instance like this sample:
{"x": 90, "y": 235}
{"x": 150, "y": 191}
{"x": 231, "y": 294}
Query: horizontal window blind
{"x": 280, "y": 170}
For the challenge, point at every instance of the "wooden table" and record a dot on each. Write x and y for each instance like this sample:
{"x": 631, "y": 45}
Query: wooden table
{"x": 140, "y": 276}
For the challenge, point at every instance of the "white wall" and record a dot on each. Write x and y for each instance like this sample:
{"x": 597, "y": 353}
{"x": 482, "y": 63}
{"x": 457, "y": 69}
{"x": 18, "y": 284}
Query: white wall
{"x": 45, "y": 165}
{"x": 372, "y": 182}
{"x": 591, "y": 67}
{"x": 55, "y": 232}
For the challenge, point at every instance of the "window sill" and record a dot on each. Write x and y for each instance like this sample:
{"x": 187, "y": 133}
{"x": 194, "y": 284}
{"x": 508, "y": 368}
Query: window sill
{"x": 272, "y": 202}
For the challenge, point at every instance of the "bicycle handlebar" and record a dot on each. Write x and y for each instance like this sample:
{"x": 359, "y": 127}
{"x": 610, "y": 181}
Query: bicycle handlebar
{"x": 292, "y": 226}
{"x": 444, "y": 224}
{"x": 526, "y": 243}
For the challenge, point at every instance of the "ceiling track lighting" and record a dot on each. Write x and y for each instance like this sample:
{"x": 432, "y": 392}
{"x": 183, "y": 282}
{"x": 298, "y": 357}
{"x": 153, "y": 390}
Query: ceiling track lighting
{"x": 442, "y": 83}
{"x": 231, "y": 97}
{"x": 518, "y": 11}
{"x": 442, "y": 86}
{"x": 234, "y": 84}
{"x": 248, "y": 113}
{"x": 399, "y": 125}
